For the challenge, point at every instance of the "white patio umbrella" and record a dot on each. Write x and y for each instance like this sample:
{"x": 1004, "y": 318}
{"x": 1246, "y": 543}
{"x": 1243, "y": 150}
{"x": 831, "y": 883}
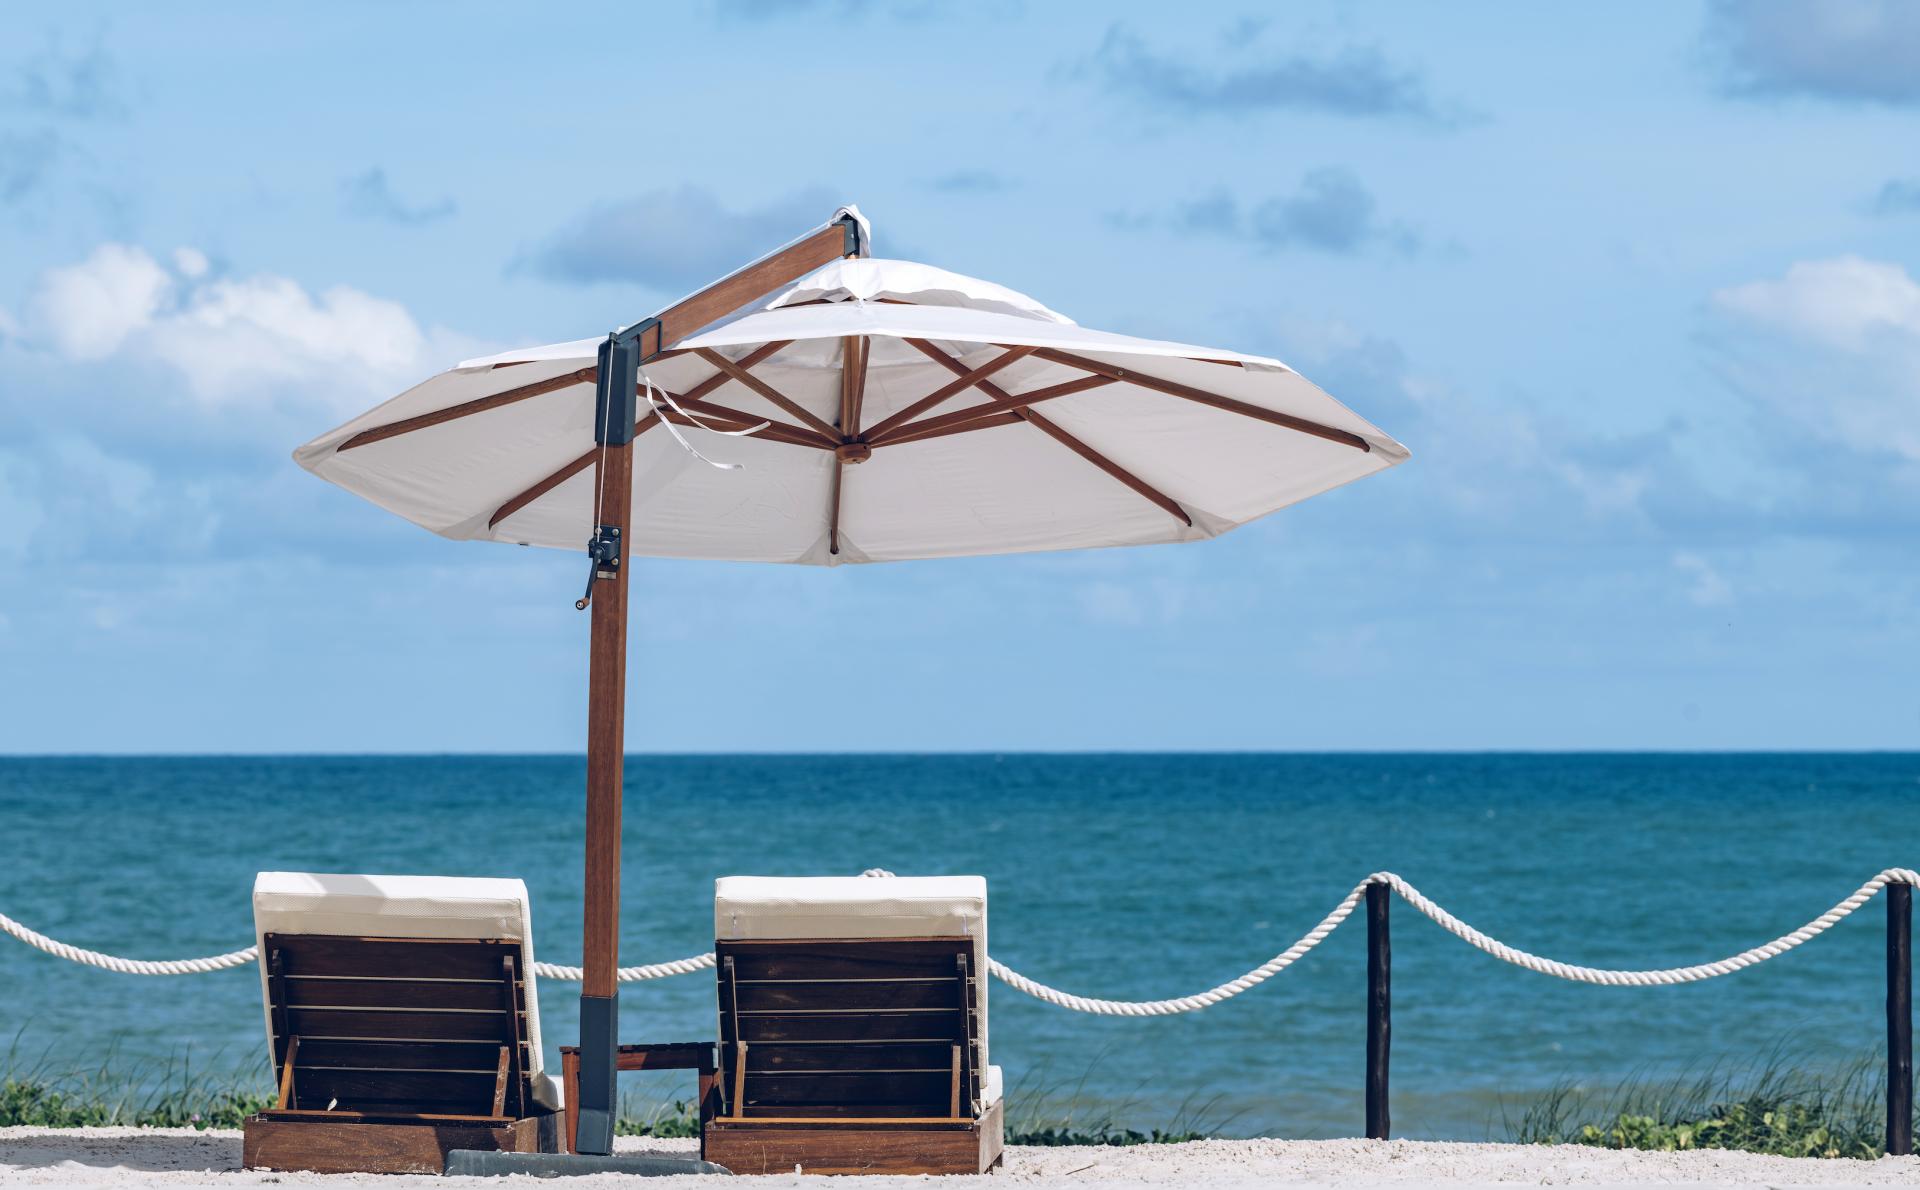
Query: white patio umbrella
{"x": 824, "y": 407}
{"x": 904, "y": 412}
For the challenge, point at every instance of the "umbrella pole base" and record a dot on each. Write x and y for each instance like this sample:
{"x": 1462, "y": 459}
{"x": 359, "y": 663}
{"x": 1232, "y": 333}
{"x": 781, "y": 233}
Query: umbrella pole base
{"x": 599, "y": 1036}
{"x": 476, "y": 1163}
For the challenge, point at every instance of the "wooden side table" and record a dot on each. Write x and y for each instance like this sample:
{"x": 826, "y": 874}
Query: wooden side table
{"x": 678, "y": 1055}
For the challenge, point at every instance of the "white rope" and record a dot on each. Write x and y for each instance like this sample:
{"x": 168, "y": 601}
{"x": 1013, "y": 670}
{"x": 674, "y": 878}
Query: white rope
{"x": 686, "y": 966}
{"x": 1666, "y": 975}
{"x": 1280, "y": 962}
{"x": 1467, "y": 934}
{"x": 107, "y": 962}
{"x": 1211, "y": 996}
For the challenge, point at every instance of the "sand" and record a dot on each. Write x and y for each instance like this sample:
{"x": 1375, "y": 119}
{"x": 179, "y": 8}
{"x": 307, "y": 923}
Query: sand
{"x": 180, "y": 1158}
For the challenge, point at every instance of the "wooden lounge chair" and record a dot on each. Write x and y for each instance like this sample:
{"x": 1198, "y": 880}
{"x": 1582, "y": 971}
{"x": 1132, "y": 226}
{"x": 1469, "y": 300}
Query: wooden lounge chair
{"x": 853, "y": 1029}
{"x": 402, "y": 1023}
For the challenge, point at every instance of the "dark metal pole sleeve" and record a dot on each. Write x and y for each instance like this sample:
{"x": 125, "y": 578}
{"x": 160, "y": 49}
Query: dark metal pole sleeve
{"x": 1379, "y": 1009}
{"x": 1899, "y": 1019}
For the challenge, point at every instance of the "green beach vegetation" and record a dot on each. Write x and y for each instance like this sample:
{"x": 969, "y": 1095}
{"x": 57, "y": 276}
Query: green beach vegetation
{"x": 1773, "y": 1106}
{"x": 174, "y": 1094}
{"x": 164, "y": 1094}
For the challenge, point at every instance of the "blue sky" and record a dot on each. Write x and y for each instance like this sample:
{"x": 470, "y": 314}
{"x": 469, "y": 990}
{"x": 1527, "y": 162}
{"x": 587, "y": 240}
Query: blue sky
{"x": 1637, "y": 285}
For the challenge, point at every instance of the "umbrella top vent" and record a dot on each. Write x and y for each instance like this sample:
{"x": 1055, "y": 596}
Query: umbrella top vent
{"x": 874, "y": 280}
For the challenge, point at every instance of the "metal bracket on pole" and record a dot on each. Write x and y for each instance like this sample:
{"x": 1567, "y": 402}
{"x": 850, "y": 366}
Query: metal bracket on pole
{"x": 616, "y": 393}
{"x": 603, "y": 560}
{"x": 616, "y": 409}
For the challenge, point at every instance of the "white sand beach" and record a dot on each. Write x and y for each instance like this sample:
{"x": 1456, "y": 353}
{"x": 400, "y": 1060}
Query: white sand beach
{"x": 181, "y": 1158}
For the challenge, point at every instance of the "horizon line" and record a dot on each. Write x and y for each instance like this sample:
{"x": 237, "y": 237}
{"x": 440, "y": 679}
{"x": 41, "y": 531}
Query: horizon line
{"x": 967, "y": 753}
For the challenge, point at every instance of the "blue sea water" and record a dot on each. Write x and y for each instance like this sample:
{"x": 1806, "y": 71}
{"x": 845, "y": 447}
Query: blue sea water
{"x": 1124, "y": 876}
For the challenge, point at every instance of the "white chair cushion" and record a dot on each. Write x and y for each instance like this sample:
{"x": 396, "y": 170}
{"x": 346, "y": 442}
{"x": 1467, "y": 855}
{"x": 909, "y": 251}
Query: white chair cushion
{"x": 853, "y": 907}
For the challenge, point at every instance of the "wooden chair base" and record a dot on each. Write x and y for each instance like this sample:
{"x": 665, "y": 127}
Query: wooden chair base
{"x": 290, "y": 1140}
{"x": 828, "y": 1146}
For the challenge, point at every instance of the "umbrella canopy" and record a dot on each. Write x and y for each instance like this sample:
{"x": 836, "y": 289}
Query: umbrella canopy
{"x": 891, "y": 410}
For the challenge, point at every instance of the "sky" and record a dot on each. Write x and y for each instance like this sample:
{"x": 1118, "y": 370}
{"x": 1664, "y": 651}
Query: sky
{"x": 1638, "y": 284}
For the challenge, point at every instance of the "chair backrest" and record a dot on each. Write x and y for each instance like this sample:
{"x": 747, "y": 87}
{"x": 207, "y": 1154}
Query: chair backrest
{"x": 399, "y": 1025}
{"x": 837, "y": 1028}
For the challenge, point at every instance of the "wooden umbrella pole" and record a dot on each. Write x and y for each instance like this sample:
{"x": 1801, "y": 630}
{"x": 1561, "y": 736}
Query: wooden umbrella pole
{"x": 606, "y": 747}
{"x": 616, "y": 380}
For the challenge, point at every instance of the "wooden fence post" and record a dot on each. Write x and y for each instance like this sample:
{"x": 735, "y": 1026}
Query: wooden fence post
{"x": 1899, "y": 1019}
{"x": 1379, "y": 1009}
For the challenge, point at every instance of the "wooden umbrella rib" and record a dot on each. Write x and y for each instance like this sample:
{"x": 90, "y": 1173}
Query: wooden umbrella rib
{"x": 736, "y": 372}
{"x": 758, "y": 355}
{"x": 764, "y": 433}
{"x": 853, "y": 383}
{"x": 520, "y": 501}
{"x": 849, "y": 348}
{"x": 961, "y": 382}
{"x": 774, "y": 430}
{"x": 1201, "y": 396}
{"x": 1002, "y": 402}
{"x": 1019, "y": 408}
{"x": 986, "y": 421}
{"x": 468, "y": 408}
{"x": 542, "y": 488}
{"x": 538, "y": 388}
{"x": 833, "y": 508}
{"x": 1167, "y": 503}
{"x": 861, "y": 347}
{"x": 755, "y": 280}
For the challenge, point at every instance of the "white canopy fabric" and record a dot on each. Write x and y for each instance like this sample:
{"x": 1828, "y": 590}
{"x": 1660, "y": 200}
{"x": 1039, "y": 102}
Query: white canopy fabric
{"x": 1131, "y": 441}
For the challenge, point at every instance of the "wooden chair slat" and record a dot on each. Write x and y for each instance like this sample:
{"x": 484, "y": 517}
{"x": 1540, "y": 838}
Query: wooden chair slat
{"x": 928, "y": 1088}
{"x": 903, "y": 958}
{"x": 392, "y": 958}
{"x": 853, "y": 996}
{"x": 338, "y": 992}
{"x": 467, "y": 1092}
{"x": 399, "y": 1055}
{"x": 921, "y": 1056}
{"x": 378, "y": 1025}
{"x": 852, "y": 1027}
{"x": 396, "y": 1108}
{"x": 929, "y": 1110}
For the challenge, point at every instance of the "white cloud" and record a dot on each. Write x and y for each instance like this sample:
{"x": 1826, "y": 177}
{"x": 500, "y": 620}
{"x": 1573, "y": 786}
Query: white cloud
{"x": 234, "y": 336}
{"x": 1845, "y": 302}
{"x": 1708, "y": 587}
{"x": 1831, "y": 348}
{"x": 90, "y": 308}
{"x": 236, "y": 339}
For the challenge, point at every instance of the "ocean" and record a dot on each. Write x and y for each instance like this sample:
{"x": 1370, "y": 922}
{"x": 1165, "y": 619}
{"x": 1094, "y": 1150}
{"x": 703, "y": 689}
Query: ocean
{"x": 1121, "y": 876}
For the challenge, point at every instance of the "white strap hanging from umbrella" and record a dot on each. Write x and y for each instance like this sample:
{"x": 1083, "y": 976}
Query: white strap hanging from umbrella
{"x": 654, "y": 404}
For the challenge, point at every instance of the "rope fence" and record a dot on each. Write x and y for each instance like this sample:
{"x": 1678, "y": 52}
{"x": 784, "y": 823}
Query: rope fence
{"x": 1900, "y": 882}
{"x": 1479, "y": 940}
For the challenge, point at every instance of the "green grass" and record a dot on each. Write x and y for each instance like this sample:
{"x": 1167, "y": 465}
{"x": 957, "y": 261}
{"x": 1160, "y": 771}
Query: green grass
{"x": 1768, "y": 1106}
{"x": 166, "y": 1094}
{"x": 676, "y": 1120}
{"x": 1060, "y": 1114}
{"x": 1776, "y": 1106}
{"x": 175, "y": 1094}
